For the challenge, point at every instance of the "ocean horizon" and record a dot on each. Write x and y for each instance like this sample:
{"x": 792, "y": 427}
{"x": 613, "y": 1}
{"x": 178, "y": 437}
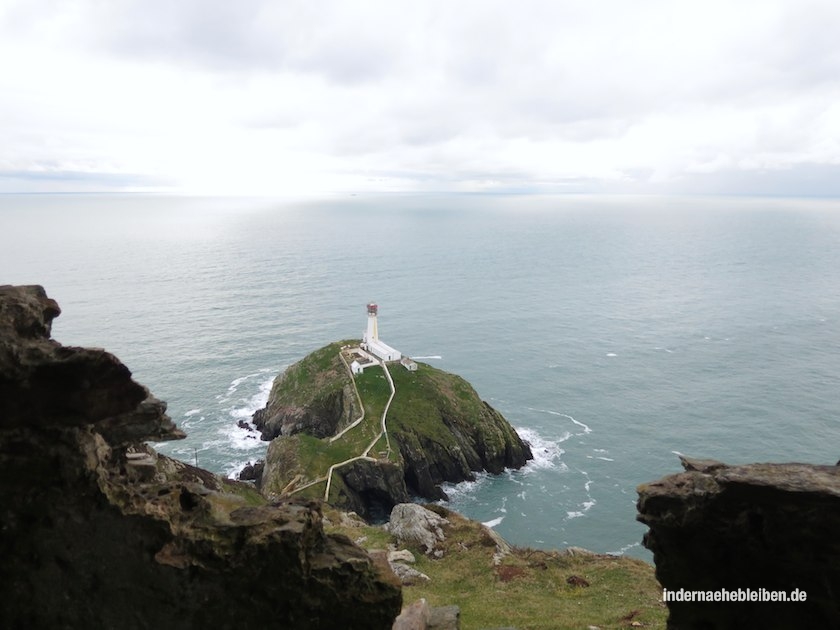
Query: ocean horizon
{"x": 613, "y": 332}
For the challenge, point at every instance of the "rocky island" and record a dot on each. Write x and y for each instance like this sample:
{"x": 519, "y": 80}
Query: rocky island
{"x": 437, "y": 429}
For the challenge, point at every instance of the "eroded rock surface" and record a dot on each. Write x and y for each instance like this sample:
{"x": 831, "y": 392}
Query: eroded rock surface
{"x": 770, "y": 526}
{"x": 99, "y": 531}
{"x": 414, "y": 524}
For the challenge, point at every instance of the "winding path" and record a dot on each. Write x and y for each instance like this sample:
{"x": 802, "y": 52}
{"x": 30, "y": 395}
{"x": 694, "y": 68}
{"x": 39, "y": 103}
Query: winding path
{"x": 358, "y": 397}
{"x": 365, "y": 454}
{"x": 383, "y": 431}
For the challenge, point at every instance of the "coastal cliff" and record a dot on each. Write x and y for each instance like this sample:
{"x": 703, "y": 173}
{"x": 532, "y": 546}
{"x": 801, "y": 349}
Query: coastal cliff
{"x": 757, "y": 526}
{"x": 100, "y": 531}
{"x": 438, "y": 427}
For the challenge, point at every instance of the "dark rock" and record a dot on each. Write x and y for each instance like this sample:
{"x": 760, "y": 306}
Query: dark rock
{"x": 577, "y": 581}
{"x": 371, "y": 488}
{"x": 102, "y": 532}
{"x": 464, "y": 446}
{"x": 252, "y": 472}
{"x": 759, "y": 526}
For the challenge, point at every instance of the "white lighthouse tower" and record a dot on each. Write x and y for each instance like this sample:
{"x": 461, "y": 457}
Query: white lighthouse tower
{"x": 372, "y": 332}
{"x": 370, "y": 338}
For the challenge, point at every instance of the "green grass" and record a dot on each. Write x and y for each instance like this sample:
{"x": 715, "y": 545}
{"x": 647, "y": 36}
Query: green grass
{"x": 323, "y": 372}
{"x": 529, "y": 588}
{"x": 316, "y": 375}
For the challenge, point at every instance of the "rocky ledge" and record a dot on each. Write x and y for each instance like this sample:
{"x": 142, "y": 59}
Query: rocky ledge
{"x": 759, "y": 526}
{"x": 99, "y": 531}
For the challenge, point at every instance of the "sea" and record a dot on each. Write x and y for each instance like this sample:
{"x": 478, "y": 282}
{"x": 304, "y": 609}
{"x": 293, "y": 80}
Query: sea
{"x": 614, "y": 332}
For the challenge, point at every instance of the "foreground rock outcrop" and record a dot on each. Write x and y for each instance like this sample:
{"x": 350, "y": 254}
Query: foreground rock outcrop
{"x": 759, "y": 526}
{"x": 99, "y": 531}
{"x": 440, "y": 431}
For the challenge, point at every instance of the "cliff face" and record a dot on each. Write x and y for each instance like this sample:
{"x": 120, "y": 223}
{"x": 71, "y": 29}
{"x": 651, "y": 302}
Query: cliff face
{"x": 771, "y": 526}
{"x": 100, "y": 531}
{"x": 314, "y": 396}
{"x": 439, "y": 428}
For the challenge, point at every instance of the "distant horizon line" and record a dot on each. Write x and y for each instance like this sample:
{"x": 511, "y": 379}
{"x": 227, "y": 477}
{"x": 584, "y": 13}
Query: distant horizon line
{"x": 420, "y": 193}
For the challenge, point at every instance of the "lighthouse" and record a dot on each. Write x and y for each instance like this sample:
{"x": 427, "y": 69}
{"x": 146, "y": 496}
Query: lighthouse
{"x": 370, "y": 338}
{"x": 372, "y": 332}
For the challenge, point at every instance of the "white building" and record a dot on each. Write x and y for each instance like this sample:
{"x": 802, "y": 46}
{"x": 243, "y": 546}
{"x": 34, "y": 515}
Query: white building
{"x": 370, "y": 338}
{"x": 408, "y": 364}
{"x": 356, "y": 367}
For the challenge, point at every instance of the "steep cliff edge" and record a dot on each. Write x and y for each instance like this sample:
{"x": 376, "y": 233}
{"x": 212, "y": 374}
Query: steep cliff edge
{"x": 439, "y": 430}
{"x": 99, "y": 531}
{"x": 759, "y": 526}
{"x": 313, "y": 396}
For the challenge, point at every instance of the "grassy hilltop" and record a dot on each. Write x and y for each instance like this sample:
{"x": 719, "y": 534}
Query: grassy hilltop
{"x": 438, "y": 428}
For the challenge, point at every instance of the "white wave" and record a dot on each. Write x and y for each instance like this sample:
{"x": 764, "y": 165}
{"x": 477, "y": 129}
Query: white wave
{"x": 238, "y": 381}
{"x": 241, "y": 439}
{"x": 257, "y": 401}
{"x": 611, "y": 354}
{"x": 235, "y": 383}
{"x": 624, "y": 549}
{"x": 492, "y": 523}
{"x": 465, "y": 490}
{"x": 233, "y": 469}
{"x": 192, "y": 412}
{"x": 546, "y": 452}
{"x": 606, "y": 459}
{"x": 585, "y": 428}
{"x": 571, "y": 515}
{"x": 191, "y": 422}
{"x": 600, "y": 450}
{"x": 431, "y": 356}
{"x": 564, "y": 437}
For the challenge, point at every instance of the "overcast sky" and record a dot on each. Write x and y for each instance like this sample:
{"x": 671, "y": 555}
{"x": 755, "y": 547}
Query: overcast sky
{"x": 267, "y": 97}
